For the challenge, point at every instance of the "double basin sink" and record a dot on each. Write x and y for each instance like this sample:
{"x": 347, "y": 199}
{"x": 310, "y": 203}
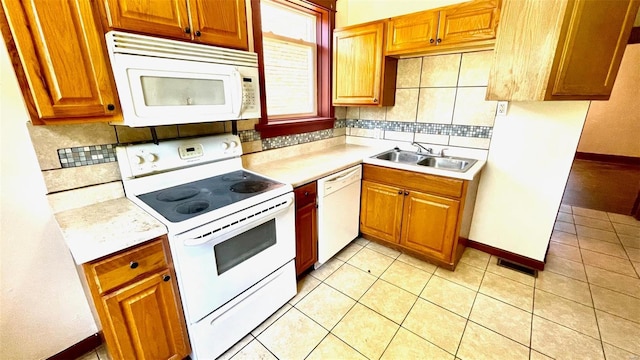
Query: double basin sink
{"x": 439, "y": 162}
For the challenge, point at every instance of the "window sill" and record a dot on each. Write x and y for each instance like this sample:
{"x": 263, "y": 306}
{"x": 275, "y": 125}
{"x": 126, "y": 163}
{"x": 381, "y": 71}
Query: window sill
{"x": 298, "y": 126}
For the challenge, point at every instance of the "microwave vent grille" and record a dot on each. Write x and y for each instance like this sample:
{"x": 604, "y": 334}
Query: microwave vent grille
{"x": 133, "y": 44}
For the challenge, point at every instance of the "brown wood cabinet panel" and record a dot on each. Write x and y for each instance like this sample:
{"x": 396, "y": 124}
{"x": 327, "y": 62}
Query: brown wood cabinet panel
{"x": 306, "y": 226}
{"x": 430, "y": 224}
{"x": 120, "y": 269}
{"x": 414, "y": 180}
{"x": 467, "y": 22}
{"x": 416, "y": 31}
{"x": 361, "y": 73}
{"x": 306, "y": 237}
{"x": 306, "y": 194}
{"x": 145, "y": 321}
{"x": 164, "y": 18}
{"x": 64, "y": 72}
{"x": 220, "y": 22}
{"x": 588, "y": 60}
{"x": 381, "y": 210}
{"x": 574, "y": 49}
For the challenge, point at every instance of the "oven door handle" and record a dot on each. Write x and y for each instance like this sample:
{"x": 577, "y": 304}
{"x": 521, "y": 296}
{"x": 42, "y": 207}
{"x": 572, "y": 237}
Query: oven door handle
{"x": 241, "y": 222}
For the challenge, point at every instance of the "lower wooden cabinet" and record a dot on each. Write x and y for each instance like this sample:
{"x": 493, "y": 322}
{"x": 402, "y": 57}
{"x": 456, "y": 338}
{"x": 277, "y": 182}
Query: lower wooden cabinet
{"x": 306, "y": 227}
{"x": 135, "y": 296}
{"x": 414, "y": 212}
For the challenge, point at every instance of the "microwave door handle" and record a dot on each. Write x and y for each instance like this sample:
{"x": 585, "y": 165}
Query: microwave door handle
{"x": 238, "y": 102}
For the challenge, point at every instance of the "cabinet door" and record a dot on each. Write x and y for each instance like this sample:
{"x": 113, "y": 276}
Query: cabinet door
{"x": 589, "y": 57}
{"x": 220, "y": 22}
{"x": 165, "y": 18}
{"x": 306, "y": 237}
{"x": 429, "y": 224}
{"x": 61, "y": 49}
{"x": 473, "y": 21}
{"x": 145, "y": 320}
{"x": 381, "y": 211}
{"x": 412, "y": 32}
{"x": 358, "y": 65}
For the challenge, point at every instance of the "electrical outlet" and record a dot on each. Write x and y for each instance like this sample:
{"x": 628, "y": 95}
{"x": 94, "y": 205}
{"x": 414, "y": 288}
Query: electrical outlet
{"x": 502, "y": 108}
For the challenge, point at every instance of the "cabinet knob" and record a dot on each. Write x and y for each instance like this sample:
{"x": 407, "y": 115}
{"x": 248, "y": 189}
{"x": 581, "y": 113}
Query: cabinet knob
{"x": 399, "y": 192}
{"x": 306, "y": 193}
{"x": 198, "y": 33}
{"x": 166, "y": 278}
{"x": 431, "y": 41}
{"x": 133, "y": 264}
{"x": 111, "y": 107}
{"x": 439, "y": 41}
{"x": 406, "y": 193}
{"x": 187, "y": 30}
{"x": 375, "y": 100}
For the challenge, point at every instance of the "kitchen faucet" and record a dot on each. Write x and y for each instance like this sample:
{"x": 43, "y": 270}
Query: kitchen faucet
{"x": 421, "y": 148}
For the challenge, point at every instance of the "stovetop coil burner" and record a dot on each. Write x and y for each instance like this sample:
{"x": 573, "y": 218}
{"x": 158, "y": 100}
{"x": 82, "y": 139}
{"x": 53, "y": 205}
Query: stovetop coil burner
{"x": 248, "y": 187}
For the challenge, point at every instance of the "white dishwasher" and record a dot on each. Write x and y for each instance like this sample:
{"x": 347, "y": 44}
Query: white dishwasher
{"x": 338, "y": 211}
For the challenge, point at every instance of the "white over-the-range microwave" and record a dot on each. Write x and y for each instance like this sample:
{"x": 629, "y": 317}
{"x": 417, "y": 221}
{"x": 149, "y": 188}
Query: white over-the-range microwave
{"x": 166, "y": 82}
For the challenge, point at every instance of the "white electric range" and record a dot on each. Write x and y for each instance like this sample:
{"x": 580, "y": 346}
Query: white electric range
{"x": 231, "y": 233}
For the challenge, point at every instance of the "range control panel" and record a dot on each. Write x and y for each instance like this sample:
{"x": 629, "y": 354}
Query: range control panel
{"x": 142, "y": 159}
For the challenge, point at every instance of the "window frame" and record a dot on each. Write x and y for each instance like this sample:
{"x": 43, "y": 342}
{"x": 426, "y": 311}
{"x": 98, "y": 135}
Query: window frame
{"x": 324, "y": 11}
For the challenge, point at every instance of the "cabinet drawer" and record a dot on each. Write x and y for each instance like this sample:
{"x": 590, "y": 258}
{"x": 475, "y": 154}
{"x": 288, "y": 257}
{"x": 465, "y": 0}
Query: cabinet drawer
{"x": 119, "y": 269}
{"x": 305, "y": 194}
{"x": 413, "y": 180}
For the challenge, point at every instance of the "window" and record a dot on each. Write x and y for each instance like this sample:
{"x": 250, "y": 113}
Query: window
{"x": 293, "y": 41}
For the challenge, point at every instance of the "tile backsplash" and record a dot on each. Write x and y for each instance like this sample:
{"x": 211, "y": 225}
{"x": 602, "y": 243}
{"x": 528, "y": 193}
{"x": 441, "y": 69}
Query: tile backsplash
{"x": 440, "y": 100}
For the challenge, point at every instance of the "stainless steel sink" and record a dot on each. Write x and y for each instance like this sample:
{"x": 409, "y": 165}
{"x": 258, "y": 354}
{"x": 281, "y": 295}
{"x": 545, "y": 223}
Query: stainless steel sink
{"x": 448, "y": 163}
{"x": 401, "y": 156}
{"x": 438, "y": 162}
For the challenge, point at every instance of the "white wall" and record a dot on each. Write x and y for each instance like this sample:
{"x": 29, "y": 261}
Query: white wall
{"x": 613, "y": 127}
{"x": 521, "y": 187}
{"x": 43, "y": 309}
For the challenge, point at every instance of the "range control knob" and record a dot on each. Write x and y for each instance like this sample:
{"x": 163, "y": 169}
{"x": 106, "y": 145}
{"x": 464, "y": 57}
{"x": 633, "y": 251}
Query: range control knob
{"x": 233, "y": 144}
{"x": 151, "y": 157}
{"x": 138, "y": 159}
{"x": 224, "y": 145}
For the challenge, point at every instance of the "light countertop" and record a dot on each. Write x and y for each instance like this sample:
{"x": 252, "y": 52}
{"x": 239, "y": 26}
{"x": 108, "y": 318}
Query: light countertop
{"x": 310, "y": 167}
{"x": 104, "y": 228}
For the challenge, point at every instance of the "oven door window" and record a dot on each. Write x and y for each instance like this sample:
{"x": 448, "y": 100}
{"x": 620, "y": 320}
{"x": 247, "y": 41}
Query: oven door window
{"x": 239, "y": 248}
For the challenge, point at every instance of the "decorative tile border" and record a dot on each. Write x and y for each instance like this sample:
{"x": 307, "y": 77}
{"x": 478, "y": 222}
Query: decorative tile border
{"x": 424, "y": 128}
{"x": 249, "y": 135}
{"x": 87, "y": 155}
{"x": 290, "y": 140}
{"x": 338, "y": 124}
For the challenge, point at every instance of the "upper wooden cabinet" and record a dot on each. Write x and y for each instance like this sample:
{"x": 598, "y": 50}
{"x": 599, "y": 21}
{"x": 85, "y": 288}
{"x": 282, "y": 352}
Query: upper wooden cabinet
{"x": 60, "y": 60}
{"x": 560, "y": 50}
{"x": 361, "y": 73}
{"x": 213, "y": 22}
{"x": 470, "y": 25}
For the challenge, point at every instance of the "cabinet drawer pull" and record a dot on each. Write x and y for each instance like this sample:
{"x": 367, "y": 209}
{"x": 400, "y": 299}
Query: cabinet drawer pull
{"x": 399, "y": 192}
{"x": 306, "y": 193}
{"x": 198, "y": 33}
{"x": 439, "y": 41}
{"x": 133, "y": 264}
{"x": 111, "y": 107}
{"x": 187, "y": 30}
{"x": 406, "y": 193}
{"x": 431, "y": 41}
{"x": 166, "y": 278}
{"x": 375, "y": 100}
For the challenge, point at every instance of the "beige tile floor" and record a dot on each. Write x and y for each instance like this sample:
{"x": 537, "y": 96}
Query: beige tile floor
{"x": 373, "y": 302}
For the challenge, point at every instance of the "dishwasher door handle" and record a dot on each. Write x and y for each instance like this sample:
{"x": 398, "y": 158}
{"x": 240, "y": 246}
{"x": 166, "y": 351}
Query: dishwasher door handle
{"x": 340, "y": 178}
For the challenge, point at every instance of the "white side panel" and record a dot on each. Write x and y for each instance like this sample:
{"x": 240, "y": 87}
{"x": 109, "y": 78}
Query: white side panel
{"x": 521, "y": 187}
